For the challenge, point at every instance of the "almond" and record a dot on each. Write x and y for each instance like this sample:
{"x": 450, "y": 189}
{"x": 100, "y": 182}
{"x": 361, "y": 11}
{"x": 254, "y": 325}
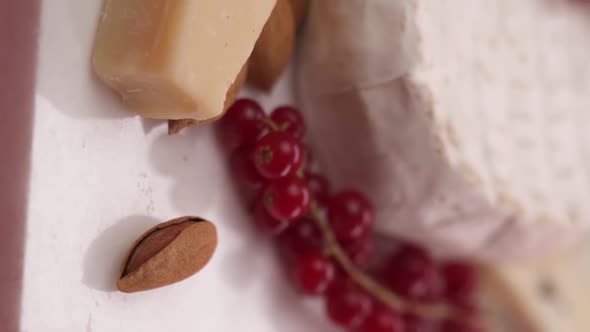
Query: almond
{"x": 299, "y": 10}
{"x": 167, "y": 253}
{"x": 274, "y": 47}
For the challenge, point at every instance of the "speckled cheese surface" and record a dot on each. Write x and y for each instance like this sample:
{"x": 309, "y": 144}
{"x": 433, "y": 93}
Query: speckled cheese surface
{"x": 510, "y": 83}
{"x": 466, "y": 122}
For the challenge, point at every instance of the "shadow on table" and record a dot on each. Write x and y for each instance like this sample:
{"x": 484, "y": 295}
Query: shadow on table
{"x": 192, "y": 161}
{"x": 103, "y": 259}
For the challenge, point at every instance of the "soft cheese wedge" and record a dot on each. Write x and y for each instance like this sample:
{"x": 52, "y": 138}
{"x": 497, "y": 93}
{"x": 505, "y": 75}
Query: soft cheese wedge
{"x": 466, "y": 122}
{"x": 177, "y": 59}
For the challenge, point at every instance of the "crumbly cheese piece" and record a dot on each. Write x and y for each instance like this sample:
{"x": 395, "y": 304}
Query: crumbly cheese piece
{"x": 546, "y": 295}
{"x": 177, "y": 59}
{"x": 466, "y": 122}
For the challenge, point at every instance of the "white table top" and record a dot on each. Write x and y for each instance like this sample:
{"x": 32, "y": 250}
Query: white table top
{"x": 100, "y": 176}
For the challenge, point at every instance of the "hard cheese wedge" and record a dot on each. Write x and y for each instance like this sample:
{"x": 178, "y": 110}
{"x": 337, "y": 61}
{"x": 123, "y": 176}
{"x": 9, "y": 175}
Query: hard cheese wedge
{"x": 177, "y": 59}
{"x": 546, "y": 295}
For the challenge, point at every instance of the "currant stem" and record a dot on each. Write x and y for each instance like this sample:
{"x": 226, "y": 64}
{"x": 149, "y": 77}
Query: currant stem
{"x": 373, "y": 287}
{"x": 271, "y": 124}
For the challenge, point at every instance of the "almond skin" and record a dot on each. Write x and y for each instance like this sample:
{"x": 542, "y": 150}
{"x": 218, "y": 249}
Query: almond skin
{"x": 167, "y": 253}
{"x": 274, "y": 47}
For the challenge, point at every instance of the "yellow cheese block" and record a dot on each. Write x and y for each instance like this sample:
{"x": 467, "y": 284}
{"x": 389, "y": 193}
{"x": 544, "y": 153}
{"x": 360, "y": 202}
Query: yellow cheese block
{"x": 546, "y": 295}
{"x": 176, "y": 59}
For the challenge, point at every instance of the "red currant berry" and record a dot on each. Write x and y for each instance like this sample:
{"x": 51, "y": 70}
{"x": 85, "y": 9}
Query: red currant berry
{"x": 319, "y": 187}
{"x": 302, "y": 237}
{"x": 412, "y": 273}
{"x": 289, "y": 119}
{"x": 243, "y": 168}
{"x": 452, "y": 326}
{"x": 266, "y": 222}
{"x": 359, "y": 251}
{"x": 412, "y": 258}
{"x": 347, "y": 305}
{"x": 277, "y": 155}
{"x": 382, "y": 319}
{"x": 460, "y": 284}
{"x": 418, "y": 324}
{"x": 350, "y": 214}
{"x": 242, "y": 123}
{"x": 286, "y": 198}
{"x": 313, "y": 272}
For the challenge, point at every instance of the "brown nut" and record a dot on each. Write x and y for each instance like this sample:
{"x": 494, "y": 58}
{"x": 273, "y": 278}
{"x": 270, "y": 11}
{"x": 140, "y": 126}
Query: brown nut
{"x": 274, "y": 47}
{"x": 168, "y": 253}
{"x": 299, "y": 10}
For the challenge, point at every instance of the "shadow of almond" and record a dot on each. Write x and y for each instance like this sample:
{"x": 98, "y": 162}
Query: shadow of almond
{"x": 103, "y": 258}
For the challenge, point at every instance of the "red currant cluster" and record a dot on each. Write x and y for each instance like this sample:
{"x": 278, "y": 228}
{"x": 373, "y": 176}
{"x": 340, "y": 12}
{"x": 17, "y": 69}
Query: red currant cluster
{"x": 326, "y": 237}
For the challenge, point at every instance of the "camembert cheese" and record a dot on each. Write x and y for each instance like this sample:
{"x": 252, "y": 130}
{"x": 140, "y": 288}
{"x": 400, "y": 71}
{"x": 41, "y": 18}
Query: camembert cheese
{"x": 467, "y": 122}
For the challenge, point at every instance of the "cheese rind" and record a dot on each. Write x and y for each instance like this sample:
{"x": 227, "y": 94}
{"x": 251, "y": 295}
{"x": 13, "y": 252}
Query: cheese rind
{"x": 465, "y": 139}
{"x": 176, "y": 59}
{"x": 511, "y": 83}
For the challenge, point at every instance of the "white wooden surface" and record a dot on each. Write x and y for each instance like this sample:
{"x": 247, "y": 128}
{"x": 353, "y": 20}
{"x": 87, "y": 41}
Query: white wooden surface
{"x": 101, "y": 176}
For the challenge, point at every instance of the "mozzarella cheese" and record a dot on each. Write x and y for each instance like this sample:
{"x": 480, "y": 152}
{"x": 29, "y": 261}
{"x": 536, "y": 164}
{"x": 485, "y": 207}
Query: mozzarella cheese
{"x": 177, "y": 59}
{"x": 466, "y": 122}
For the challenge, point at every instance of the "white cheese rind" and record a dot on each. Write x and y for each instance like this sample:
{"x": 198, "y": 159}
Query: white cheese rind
{"x": 511, "y": 82}
{"x": 461, "y": 141}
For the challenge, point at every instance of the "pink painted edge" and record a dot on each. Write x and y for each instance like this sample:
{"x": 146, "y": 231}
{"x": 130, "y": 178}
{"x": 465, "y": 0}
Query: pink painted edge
{"x": 19, "y": 24}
